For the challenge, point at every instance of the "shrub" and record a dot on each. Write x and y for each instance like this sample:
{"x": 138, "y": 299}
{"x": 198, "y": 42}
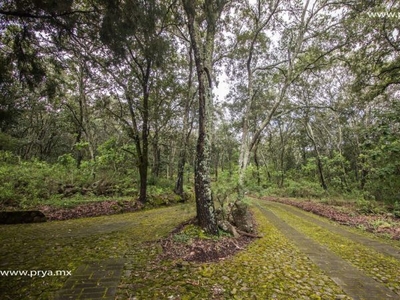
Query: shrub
{"x": 303, "y": 189}
{"x": 24, "y": 183}
{"x": 369, "y": 207}
{"x": 396, "y": 209}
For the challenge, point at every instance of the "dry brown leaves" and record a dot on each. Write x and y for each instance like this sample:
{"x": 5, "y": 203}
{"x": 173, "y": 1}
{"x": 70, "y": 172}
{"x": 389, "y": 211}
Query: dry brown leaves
{"x": 381, "y": 224}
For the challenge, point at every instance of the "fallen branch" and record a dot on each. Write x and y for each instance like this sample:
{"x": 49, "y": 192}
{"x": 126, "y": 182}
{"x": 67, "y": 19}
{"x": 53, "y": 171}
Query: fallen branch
{"x": 248, "y": 234}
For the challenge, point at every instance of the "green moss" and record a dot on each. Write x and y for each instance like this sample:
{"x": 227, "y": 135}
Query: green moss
{"x": 383, "y": 268}
{"x": 189, "y": 233}
{"x": 270, "y": 268}
{"x": 65, "y": 245}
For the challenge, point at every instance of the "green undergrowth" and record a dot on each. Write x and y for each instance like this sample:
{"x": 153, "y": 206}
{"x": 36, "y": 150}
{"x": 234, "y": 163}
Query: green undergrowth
{"x": 269, "y": 268}
{"x": 60, "y": 202}
{"x": 382, "y": 268}
{"x": 191, "y": 232}
{"x": 64, "y": 245}
{"x": 28, "y": 184}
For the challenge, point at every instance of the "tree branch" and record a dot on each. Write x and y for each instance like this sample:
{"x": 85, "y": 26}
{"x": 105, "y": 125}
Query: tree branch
{"x": 24, "y": 14}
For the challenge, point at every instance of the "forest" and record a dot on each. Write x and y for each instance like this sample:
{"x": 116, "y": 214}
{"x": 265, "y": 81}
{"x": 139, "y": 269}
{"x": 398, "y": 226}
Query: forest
{"x": 163, "y": 101}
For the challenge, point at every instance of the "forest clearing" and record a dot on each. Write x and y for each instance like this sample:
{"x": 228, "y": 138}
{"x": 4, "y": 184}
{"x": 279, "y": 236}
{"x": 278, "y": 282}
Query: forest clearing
{"x": 208, "y": 149}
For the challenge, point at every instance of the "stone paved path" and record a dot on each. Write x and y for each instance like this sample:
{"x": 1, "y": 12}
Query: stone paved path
{"x": 353, "y": 281}
{"x": 336, "y": 228}
{"x": 99, "y": 278}
{"x": 92, "y": 249}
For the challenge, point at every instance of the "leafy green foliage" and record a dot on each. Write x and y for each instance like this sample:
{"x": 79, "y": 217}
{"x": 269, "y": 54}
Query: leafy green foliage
{"x": 25, "y": 183}
{"x": 369, "y": 206}
{"x": 102, "y": 114}
{"x": 381, "y": 155}
{"x": 30, "y": 183}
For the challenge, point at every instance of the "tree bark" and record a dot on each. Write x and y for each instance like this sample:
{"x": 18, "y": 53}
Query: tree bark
{"x": 281, "y": 156}
{"x": 186, "y": 132}
{"x": 257, "y": 163}
{"x": 310, "y": 134}
{"x": 156, "y": 165}
{"x": 144, "y": 157}
{"x": 141, "y": 138}
{"x": 203, "y": 62}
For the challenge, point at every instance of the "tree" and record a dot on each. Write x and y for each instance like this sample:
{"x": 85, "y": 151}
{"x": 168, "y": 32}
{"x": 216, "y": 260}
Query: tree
{"x": 314, "y": 87}
{"x": 134, "y": 33}
{"x": 186, "y": 127}
{"x": 204, "y": 15}
{"x": 273, "y": 66}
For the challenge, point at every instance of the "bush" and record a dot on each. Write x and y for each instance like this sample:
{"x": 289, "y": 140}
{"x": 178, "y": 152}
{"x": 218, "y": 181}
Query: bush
{"x": 28, "y": 183}
{"x": 24, "y": 183}
{"x": 369, "y": 207}
{"x": 301, "y": 189}
{"x": 31, "y": 183}
{"x": 396, "y": 209}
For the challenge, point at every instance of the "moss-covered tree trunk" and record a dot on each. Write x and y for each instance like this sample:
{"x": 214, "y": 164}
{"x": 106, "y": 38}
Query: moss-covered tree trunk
{"x": 203, "y": 50}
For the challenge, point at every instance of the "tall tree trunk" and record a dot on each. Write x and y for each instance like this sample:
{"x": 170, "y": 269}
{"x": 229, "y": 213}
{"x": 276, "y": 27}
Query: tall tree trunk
{"x": 216, "y": 164}
{"x": 243, "y": 163}
{"x": 281, "y": 156}
{"x": 186, "y": 132}
{"x": 180, "y": 176}
{"x": 144, "y": 158}
{"x": 321, "y": 172}
{"x": 310, "y": 134}
{"x": 203, "y": 62}
{"x": 156, "y": 166}
{"x": 257, "y": 163}
{"x": 248, "y": 142}
{"x": 79, "y": 154}
{"x": 141, "y": 138}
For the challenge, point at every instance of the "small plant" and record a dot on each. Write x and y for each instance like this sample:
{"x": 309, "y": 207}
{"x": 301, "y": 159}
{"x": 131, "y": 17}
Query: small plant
{"x": 224, "y": 193}
{"x": 380, "y": 224}
{"x": 303, "y": 189}
{"x": 182, "y": 238}
{"x": 396, "y": 209}
{"x": 189, "y": 233}
{"x": 366, "y": 206}
{"x": 362, "y": 227}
